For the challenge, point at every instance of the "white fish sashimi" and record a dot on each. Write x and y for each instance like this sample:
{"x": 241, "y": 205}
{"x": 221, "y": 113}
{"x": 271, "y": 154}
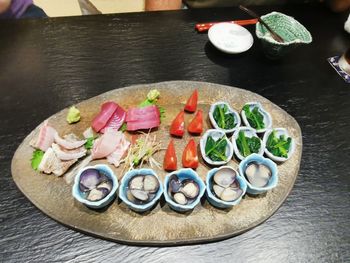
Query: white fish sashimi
{"x": 66, "y": 155}
{"x": 122, "y": 147}
{"x": 88, "y": 133}
{"x": 50, "y": 163}
{"x": 45, "y": 137}
{"x": 69, "y": 142}
{"x": 106, "y": 144}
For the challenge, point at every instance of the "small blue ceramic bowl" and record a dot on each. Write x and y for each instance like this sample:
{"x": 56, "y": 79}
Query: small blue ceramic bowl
{"x": 182, "y": 174}
{"x": 262, "y": 160}
{"x": 124, "y": 185}
{"x": 78, "y": 195}
{"x": 217, "y": 201}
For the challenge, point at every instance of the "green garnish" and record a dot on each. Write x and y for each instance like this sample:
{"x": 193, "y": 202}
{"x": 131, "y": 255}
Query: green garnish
{"x": 278, "y": 146}
{"x": 254, "y": 117}
{"x": 36, "y": 159}
{"x": 225, "y": 119}
{"x": 246, "y": 145}
{"x": 216, "y": 150}
{"x": 123, "y": 127}
{"x": 89, "y": 143}
{"x": 152, "y": 98}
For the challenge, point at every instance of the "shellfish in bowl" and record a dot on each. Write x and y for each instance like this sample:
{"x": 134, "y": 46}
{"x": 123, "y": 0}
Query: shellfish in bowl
{"x": 140, "y": 189}
{"x": 225, "y": 188}
{"x": 183, "y": 189}
{"x": 245, "y": 141}
{"x": 259, "y": 173}
{"x": 223, "y": 117}
{"x": 216, "y": 149}
{"x": 279, "y": 145}
{"x": 255, "y": 116}
{"x": 95, "y": 186}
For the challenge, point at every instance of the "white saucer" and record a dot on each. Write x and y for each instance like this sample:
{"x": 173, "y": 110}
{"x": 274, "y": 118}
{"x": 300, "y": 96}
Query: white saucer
{"x": 230, "y": 38}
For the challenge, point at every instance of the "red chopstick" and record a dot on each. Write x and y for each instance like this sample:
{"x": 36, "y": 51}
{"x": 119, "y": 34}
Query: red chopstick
{"x": 205, "y": 26}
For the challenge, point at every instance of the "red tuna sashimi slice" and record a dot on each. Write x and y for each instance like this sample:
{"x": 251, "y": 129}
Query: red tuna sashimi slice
{"x": 45, "y": 137}
{"x": 107, "y": 110}
{"x": 106, "y": 144}
{"x": 142, "y": 125}
{"x": 116, "y": 121}
{"x": 149, "y": 112}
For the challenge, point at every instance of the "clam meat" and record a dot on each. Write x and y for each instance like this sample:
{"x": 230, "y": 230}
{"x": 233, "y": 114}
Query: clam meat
{"x": 225, "y": 186}
{"x": 142, "y": 189}
{"x": 182, "y": 191}
{"x": 258, "y": 174}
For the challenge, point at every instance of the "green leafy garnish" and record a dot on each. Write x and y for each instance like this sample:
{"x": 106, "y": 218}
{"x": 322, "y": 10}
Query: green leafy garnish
{"x": 254, "y": 117}
{"x": 216, "y": 150}
{"x": 89, "y": 143}
{"x": 278, "y": 146}
{"x": 36, "y": 159}
{"x": 152, "y": 98}
{"x": 246, "y": 145}
{"x": 224, "y": 118}
{"x": 123, "y": 127}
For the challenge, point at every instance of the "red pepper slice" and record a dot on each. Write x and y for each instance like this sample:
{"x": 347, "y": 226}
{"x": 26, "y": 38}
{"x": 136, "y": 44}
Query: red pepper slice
{"x": 177, "y": 127}
{"x": 170, "y": 160}
{"x": 189, "y": 156}
{"x": 196, "y": 125}
{"x": 191, "y": 105}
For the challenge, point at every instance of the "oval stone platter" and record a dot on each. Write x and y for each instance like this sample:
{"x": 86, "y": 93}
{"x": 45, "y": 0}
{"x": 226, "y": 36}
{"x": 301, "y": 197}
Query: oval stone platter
{"x": 160, "y": 226}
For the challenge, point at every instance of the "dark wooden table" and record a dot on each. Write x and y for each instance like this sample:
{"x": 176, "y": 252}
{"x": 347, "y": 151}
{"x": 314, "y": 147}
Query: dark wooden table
{"x": 46, "y": 65}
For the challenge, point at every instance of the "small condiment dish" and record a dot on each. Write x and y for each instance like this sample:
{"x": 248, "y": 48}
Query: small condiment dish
{"x": 216, "y": 135}
{"x": 279, "y": 132}
{"x": 248, "y": 132}
{"x": 124, "y": 187}
{"x": 80, "y": 196}
{"x": 213, "y": 198}
{"x": 230, "y": 110}
{"x": 273, "y": 180}
{"x": 267, "y": 116}
{"x": 230, "y": 38}
{"x": 183, "y": 174}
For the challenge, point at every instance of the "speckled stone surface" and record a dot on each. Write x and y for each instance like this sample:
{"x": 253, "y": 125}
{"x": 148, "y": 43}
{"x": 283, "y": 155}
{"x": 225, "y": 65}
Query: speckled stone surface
{"x": 161, "y": 225}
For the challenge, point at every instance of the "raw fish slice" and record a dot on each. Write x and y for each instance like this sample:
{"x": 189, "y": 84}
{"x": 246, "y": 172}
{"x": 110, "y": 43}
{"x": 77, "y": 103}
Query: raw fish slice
{"x": 107, "y": 110}
{"x": 106, "y": 144}
{"x": 117, "y": 155}
{"x": 66, "y": 155}
{"x": 133, "y": 126}
{"x": 149, "y": 112}
{"x": 117, "y": 120}
{"x": 52, "y": 164}
{"x": 69, "y": 142}
{"x": 45, "y": 137}
{"x": 69, "y": 177}
{"x": 88, "y": 133}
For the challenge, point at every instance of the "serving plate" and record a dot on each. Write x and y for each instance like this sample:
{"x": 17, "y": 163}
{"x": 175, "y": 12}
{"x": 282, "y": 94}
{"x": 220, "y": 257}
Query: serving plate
{"x": 161, "y": 226}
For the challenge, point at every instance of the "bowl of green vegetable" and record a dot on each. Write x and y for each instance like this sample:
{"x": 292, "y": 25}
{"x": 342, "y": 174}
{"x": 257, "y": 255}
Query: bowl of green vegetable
{"x": 216, "y": 148}
{"x": 223, "y": 117}
{"x": 279, "y": 146}
{"x": 254, "y": 116}
{"x": 245, "y": 141}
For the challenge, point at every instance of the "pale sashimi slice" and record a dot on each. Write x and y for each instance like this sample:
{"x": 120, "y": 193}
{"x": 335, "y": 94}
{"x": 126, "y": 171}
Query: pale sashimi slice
{"x": 66, "y": 155}
{"x": 106, "y": 112}
{"x": 106, "y": 144}
{"x": 45, "y": 137}
{"x": 69, "y": 142}
{"x": 50, "y": 163}
{"x": 116, "y": 121}
{"x": 116, "y": 156}
{"x": 88, "y": 133}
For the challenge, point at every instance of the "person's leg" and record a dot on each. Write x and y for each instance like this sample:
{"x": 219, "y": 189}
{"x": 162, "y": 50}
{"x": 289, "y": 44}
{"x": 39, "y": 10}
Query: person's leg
{"x": 34, "y": 11}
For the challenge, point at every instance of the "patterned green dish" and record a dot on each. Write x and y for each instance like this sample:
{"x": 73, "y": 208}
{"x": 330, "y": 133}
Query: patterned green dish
{"x": 293, "y": 33}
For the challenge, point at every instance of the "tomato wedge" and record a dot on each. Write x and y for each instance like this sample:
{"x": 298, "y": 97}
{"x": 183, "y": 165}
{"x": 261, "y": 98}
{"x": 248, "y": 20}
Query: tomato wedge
{"x": 196, "y": 125}
{"x": 177, "y": 127}
{"x": 191, "y": 105}
{"x": 189, "y": 156}
{"x": 170, "y": 160}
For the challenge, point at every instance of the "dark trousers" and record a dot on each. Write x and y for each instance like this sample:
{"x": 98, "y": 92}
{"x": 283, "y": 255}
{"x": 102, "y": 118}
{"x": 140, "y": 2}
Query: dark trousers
{"x": 33, "y": 11}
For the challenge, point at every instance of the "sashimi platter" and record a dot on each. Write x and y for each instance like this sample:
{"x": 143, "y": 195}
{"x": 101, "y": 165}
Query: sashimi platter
{"x": 170, "y": 163}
